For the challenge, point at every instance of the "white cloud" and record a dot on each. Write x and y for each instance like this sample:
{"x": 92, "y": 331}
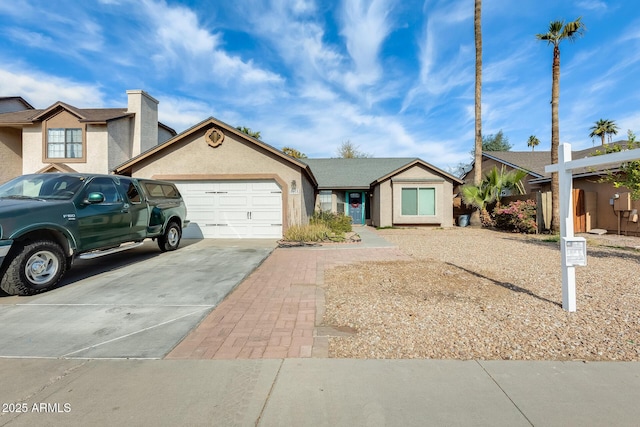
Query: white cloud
{"x": 364, "y": 27}
{"x": 439, "y": 74}
{"x": 594, "y": 5}
{"x": 42, "y": 90}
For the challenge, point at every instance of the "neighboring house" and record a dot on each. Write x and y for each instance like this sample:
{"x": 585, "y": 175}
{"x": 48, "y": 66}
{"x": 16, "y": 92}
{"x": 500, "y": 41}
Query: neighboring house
{"x": 65, "y": 138}
{"x": 9, "y": 104}
{"x": 531, "y": 162}
{"x": 595, "y": 205}
{"x": 385, "y": 192}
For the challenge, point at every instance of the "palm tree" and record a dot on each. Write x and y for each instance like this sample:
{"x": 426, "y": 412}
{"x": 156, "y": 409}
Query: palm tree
{"x": 558, "y": 31}
{"x": 478, "y": 196}
{"x": 249, "y": 132}
{"x": 490, "y": 190}
{"x": 477, "y": 162}
{"x": 602, "y": 128}
{"x": 533, "y": 142}
{"x": 294, "y": 153}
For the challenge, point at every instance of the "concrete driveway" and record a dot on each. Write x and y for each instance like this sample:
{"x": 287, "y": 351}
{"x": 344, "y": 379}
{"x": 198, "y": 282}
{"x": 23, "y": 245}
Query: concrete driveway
{"x": 136, "y": 304}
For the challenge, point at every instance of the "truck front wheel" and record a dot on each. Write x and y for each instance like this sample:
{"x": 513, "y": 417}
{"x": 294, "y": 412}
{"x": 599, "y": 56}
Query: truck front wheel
{"x": 36, "y": 267}
{"x": 170, "y": 239}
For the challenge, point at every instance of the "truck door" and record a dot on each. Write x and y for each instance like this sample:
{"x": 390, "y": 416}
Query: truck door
{"x": 138, "y": 208}
{"x": 103, "y": 224}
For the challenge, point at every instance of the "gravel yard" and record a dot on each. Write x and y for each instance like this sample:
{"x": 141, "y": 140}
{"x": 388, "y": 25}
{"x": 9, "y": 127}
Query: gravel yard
{"x": 479, "y": 294}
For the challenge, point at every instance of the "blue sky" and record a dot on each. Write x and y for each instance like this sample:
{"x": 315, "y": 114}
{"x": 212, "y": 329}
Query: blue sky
{"x": 394, "y": 77}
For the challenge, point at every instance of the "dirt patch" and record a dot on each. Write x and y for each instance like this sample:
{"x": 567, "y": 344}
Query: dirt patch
{"x": 479, "y": 294}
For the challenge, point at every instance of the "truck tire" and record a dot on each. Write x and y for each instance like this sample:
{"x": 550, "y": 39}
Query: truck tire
{"x": 36, "y": 267}
{"x": 170, "y": 239}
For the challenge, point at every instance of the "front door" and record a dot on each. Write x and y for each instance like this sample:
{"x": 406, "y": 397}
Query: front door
{"x": 356, "y": 208}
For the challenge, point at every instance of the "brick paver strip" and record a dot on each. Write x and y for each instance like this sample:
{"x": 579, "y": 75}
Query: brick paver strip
{"x": 274, "y": 312}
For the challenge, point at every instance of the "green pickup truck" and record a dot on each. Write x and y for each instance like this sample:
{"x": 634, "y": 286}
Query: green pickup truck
{"x": 46, "y": 220}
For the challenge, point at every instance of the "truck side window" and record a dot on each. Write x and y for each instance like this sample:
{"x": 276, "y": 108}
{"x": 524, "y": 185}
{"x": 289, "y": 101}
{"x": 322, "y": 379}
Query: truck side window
{"x": 107, "y": 187}
{"x": 133, "y": 194}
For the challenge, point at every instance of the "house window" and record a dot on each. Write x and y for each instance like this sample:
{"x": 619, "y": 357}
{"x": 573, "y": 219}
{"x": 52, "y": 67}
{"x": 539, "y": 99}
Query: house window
{"x": 419, "y": 201}
{"x": 64, "y": 143}
{"x": 325, "y": 201}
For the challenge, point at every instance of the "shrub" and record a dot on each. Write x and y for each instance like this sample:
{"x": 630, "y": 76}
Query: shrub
{"x": 337, "y": 223}
{"x": 307, "y": 233}
{"x": 518, "y": 216}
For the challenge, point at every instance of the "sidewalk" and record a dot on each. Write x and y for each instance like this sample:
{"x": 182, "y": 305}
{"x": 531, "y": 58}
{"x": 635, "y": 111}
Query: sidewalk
{"x": 276, "y": 311}
{"x": 272, "y": 318}
{"x": 317, "y": 392}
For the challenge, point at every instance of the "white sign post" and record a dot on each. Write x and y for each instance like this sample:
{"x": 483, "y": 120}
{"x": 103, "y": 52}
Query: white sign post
{"x": 573, "y": 249}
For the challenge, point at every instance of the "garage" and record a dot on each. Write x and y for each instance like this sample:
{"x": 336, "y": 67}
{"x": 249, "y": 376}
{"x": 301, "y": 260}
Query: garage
{"x": 232, "y": 209}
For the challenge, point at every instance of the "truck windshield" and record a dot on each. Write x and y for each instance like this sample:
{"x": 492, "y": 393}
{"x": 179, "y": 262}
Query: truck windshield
{"x": 51, "y": 186}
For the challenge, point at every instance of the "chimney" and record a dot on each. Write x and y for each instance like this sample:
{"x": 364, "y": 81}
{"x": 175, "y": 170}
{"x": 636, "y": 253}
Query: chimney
{"x": 145, "y": 122}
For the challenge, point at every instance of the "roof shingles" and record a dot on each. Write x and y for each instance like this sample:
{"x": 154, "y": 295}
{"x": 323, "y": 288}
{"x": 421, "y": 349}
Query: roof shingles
{"x": 354, "y": 174}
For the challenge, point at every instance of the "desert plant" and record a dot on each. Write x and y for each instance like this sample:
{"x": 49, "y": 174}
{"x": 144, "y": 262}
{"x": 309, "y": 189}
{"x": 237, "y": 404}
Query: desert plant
{"x": 518, "y": 216}
{"x": 337, "y": 223}
{"x": 307, "y": 233}
{"x": 490, "y": 190}
{"x": 479, "y": 197}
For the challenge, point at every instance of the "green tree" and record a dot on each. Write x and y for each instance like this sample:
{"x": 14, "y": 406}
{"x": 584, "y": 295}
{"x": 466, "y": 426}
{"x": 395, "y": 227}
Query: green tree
{"x": 249, "y": 132}
{"x": 491, "y": 189}
{"x": 497, "y": 142}
{"x": 558, "y": 31}
{"x": 603, "y": 128}
{"x": 348, "y": 150}
{"x": 478, "y": 196}
{"x": 628, "y": 174}
{"x": 293, "y": 153}
{"x": 533, "y": 142}
{"x": 477, "y": 151}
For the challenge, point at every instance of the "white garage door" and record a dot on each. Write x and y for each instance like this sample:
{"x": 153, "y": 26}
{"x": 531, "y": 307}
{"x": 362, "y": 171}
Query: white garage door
{"x": 232, "y": 209}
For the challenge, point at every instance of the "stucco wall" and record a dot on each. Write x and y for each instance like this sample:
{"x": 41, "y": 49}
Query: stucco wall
{"x": 307, "y": 200}
{"x": 119, "y": 142}
{"x": 32, "y": 149}
{"x": 97, "y": 160}
{"x": 145, "y": 123}
{"x": 388, "y": 199}
{"x": 164, "y": 135}
{"x": 95, "y": 156}
{"x": 193, "y": 159}
{"x": 606, "y": 217}
{"x": 10, "y": 153}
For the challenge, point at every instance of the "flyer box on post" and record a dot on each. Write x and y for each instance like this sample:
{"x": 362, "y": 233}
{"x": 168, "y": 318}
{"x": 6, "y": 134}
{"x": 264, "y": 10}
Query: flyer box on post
{"x": 574, "y": 251}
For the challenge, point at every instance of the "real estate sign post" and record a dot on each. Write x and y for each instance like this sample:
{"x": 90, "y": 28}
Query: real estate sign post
{"x": 573, "y": 249}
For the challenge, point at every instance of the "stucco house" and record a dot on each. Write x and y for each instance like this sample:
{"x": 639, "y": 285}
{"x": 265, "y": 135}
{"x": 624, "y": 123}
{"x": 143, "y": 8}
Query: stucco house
{"x": 597, "y": 205}
{"x": 385, "y": 192}
{"x": 237, "y": 186}
{"x": 234, "y": 186}
{"x": 65, "y": 138}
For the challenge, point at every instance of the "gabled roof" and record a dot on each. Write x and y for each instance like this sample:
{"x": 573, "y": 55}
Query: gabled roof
{"x": 20, "y": 99}
{"x": 24, "y": 117}
{"x": 86, "y": 115}
{"x": 57, "y": 167}
{"x": 535, "y": 162}
{"x": 528, "y": 161}
{"x": 361, "y": 173}
{"x": 125, "y": 167}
